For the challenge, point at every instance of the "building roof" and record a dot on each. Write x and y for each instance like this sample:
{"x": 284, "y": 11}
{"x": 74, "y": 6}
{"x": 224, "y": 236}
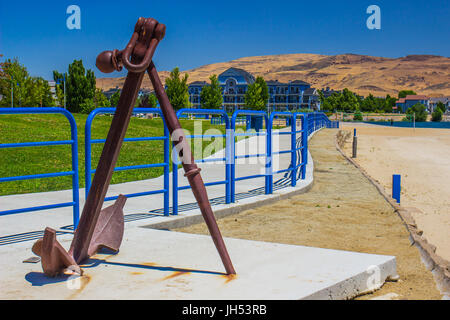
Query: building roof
{"x": 442, "y": 99}
{"x": 233, "y": 72}
{"x": 416, "y": 97}
{"x": 295, "y": 83}
{"x": 198, "y": 83}
{"x": 275, "y": 83}
{"x": 401, "y": 100}
{"x": 300, "y": 82}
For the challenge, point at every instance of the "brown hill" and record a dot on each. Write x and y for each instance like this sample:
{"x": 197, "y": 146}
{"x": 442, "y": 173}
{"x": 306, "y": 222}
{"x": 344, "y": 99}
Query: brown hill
{"x": 424, "y": 74}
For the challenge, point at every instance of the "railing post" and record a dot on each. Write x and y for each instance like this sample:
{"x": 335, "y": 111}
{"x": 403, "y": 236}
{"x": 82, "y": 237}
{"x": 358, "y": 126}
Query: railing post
{"x": 269, "y": 157}
{"x": 293, "y": 149}
{"x": 233, "y": 158}
{"x": 175, "y": 163}
{"x": 228, "y": 146}
{"x": 88, "y": 153}
{"x": 396, "y": 187}
{"x": 75, "y": 177}
{"x": 304, "y": 143}
{"x": 166, "y": 169}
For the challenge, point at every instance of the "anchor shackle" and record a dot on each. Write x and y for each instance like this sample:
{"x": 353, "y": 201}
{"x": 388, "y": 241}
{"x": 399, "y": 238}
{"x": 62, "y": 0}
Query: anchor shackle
{"x": 141, "y": 48}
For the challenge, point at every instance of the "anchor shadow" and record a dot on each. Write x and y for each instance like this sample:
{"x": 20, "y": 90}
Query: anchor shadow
{"x": 39, "y": 279}
{"x": 95, "y": 262}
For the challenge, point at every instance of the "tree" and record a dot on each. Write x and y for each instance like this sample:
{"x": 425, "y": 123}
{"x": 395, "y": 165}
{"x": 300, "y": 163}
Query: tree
{"x": 211, "y": 95}
{"x": 148, "y": 101}
{"x": 80, "y": 86}
{"x": 257, "y": 95}
{"x": 59, "y": 87}
{"x": 420, "y": 112}
{"x": 264, "y": 89}
{"x": 348, "y": 101}
{"x": 2, "y": 72}
{"x": 253, "y": 97}
{"x": 436, "y": 116}
{"x": 404, "y": 93}
{"x": 177, "y": 89}
{"x": 369, "y": 104}
{"x": 114, "y": 99}
{"x": 357, "y": 116}
{"x": 28, "y": 91}
{"x": 152, "y": 101}
{"x": 38, "y": 93}
{"x": 389, "y": 104}
{"x": 87, "y": 106}
{"x": 441, "y": 106}
{"x": 100, "y": 100}
{"x": 14, "y": 75}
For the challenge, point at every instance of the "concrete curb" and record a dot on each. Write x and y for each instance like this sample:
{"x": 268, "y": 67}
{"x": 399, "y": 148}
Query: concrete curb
{"x": 436, "y": 264}
{"x": 221, "y": 213}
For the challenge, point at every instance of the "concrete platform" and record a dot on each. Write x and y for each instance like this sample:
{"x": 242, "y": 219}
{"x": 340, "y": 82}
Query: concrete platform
{"x": 155, "y": 264}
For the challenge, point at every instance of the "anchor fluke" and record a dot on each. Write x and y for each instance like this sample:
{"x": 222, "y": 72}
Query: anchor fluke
{"x": 54, "y": 257}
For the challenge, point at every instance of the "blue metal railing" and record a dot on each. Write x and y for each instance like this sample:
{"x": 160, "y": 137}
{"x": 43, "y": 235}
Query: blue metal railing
{"x": 318, "y": 120}
{"x": 220, "y": 120}
{"x": 166, "y": 165}
{"x": 233, "y": 155}
{"x": 310, "y": 122}
{"x": 74, "y": 173}
{"x": 298, "y": 149}
{"x": 224, "y": 117}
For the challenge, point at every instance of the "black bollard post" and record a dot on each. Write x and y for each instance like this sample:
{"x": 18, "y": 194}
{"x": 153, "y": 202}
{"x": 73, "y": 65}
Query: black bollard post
{"x": 355, "y": 144}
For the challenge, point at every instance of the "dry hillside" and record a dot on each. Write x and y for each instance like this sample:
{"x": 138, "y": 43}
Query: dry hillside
{"x": 424, "y": 74}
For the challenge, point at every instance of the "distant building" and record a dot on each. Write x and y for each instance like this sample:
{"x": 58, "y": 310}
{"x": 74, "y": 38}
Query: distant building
{"x": 143, "y": 93}
{"x": 404, "y": 104}
{"x": 329, "y": 92}
{"x": 52, "y": 85}
{"x": 282, "y": 96}
{"x": 435, "y": 101}
{"x": 110, "y": 92}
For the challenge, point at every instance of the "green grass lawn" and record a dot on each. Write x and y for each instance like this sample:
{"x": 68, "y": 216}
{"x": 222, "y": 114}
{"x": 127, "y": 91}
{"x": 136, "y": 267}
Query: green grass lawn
{"x": 37, "y": 160}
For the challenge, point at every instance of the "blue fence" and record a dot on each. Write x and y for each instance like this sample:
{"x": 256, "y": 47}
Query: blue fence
{"x": 166, "y": 164}
{"x": 221, "y": 120}
{"x": 175, "y": 187}
{"x": 74, "y": 173}
{"x": 234, "y": 157}
{"x": 302, "y": 125}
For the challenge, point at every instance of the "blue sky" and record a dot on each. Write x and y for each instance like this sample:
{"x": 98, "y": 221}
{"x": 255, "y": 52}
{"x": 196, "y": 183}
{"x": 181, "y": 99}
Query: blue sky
{"x": 203, "y": 32}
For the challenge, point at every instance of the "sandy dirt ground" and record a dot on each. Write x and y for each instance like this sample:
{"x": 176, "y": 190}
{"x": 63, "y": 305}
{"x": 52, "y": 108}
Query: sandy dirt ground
{"x": 342, "y": 211}
{"x": 422, "y": 157}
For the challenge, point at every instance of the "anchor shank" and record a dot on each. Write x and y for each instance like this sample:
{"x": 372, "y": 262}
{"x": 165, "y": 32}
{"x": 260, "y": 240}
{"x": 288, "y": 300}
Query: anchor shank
{"x": 108, "y": 159}
{"x": 191, "y": 169}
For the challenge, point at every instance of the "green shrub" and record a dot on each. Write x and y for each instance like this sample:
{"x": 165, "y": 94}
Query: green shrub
{"x": 358, "y": 116}
{"x": 436, "y": 116}
{"x": 420, "y": 112}
{"x": 87, "y": 106}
